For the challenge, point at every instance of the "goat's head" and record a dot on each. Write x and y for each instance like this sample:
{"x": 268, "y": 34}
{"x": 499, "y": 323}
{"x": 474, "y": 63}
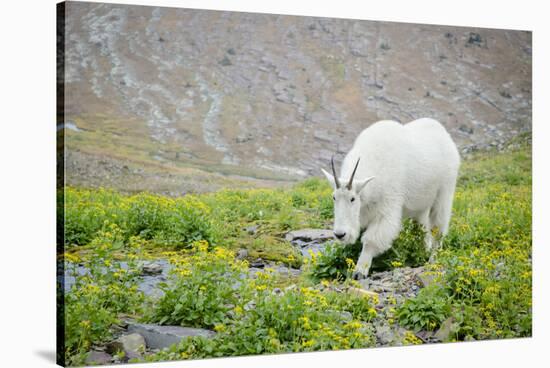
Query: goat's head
{"x": 347, "y": 204}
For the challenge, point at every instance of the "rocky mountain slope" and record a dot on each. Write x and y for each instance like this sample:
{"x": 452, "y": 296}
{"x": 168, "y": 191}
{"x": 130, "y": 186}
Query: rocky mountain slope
{"x": 271, "y": 96}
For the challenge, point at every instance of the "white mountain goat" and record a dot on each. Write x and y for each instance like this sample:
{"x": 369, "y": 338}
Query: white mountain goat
{"x": 411, "y": 172}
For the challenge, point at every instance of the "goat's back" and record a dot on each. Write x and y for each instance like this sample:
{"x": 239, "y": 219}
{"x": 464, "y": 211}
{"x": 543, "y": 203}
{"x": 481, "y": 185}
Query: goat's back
{"x": 410, "y": 161}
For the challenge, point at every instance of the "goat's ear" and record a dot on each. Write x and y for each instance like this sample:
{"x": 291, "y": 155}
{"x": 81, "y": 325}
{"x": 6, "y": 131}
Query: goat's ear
{"x": 359, "y": 185}
{"x": 330, "y": 179}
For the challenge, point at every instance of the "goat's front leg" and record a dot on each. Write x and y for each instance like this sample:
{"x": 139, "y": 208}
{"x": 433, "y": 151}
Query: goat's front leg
{"x": 377, "y": 239}
{"x": 364, "y": 262}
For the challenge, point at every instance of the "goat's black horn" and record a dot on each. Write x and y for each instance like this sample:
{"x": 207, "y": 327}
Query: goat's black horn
{"x": 336, "y": 181}
{"x": 352, "y": 175}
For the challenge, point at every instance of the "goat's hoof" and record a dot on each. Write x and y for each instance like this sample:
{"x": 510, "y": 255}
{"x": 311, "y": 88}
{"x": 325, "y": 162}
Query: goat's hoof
{"x": 358, "y": 275}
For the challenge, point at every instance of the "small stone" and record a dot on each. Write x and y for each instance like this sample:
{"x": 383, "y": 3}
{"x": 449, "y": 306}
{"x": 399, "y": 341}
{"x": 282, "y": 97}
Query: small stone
{"x": 250, "y": 305}
{"x": 310, "y": 235}
{"x": 225, "y": 61}
{"x": 425, "y": 336}
{"x": 346, "y": 316}
{"x": 445, "y": 330}
{"x": 251, "y": 229}
{"x": 465, "y": 129}
{"x": 384, "y": 334}
{"x": 133, "y": 345}
{"x": 291, "y": 287}
{"x": 258, "y": 263}
{"x": 151, "y": 268}
{"x": 425, "y": 279}
{"x": 241, "y": 254}
{"x": 475, "y": 39}
{"x": 277, "y": 291}
{"x": 98, "y": 358}
{"x": 362, "y": 292}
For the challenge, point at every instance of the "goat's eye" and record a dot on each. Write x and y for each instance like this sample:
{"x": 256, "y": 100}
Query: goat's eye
{"x": 352, "y": 199}
{"x": 333, "y": 198}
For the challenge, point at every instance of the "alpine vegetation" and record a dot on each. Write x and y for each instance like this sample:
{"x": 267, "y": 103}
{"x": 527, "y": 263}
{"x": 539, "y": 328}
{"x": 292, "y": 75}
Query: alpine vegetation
{"x": 392, "y": 172}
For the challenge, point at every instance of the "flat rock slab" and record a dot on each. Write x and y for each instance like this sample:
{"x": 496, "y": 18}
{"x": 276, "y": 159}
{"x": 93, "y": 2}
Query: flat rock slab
{"x": 133, "y": 345}
{"x": 151, "y": 268}
{"x": 362, "y": 292}
{"x": 98, "y": 358}
{"x": 307, "y": 235}
{"x": 446, "y": 330}
{"x": 160, "y": 337}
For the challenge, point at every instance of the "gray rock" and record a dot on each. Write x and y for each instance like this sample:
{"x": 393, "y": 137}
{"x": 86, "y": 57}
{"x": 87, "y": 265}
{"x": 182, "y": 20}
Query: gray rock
{"x": 251, "y": 229}
{"x": 160, "y": 337}
{"x": 250, "y": 305}
{"x": 466, "y": 129}
{"x": 384, "y": 334}
{"x": 310, "y": 235}
{"x": 425, "y": 336}
{"x": 133, "y": 345}
{"x": 425, "y": 279}
{"x": 98, "y": 358}
{"x": 242, "y": 254}
{"x": 346, "y": 316}
{"x": 387, "y": 334}
{"x": 258, "y": 263}
{"x": 445, "y": 330}
{"x": 151, "y": 268}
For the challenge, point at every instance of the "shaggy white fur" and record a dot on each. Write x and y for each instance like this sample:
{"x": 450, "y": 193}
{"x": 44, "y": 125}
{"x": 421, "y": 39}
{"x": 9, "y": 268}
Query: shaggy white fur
{"x": 404, "y": 171}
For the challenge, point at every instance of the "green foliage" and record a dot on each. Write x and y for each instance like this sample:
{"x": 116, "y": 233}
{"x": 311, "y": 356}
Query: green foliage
{"x": 483, "y": 270}
{"x": 94, "y": 301}
{"x": 425, "y": 312}
{"x": 203, "y": 289}
{"x": 250, "y": 315}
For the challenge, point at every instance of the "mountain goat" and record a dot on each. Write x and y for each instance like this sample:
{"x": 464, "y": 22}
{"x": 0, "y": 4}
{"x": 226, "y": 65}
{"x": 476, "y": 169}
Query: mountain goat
{"x": 394, "y": 171}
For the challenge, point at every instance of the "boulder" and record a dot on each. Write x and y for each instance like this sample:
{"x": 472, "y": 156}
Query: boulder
{"x": 133, "y": 345}
{"x": 310, "y": 235}
{"x": 160, "y": 337}
{"x": 98, "y": 358}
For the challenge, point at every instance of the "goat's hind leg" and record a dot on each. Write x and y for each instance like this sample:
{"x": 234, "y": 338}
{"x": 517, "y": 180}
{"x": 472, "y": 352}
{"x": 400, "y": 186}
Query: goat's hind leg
{"x": 424, "y": 220}
{"x": 440, "y": 216}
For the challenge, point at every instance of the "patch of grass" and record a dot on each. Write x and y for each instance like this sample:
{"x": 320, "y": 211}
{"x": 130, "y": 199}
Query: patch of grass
{"x": 218, "y": 218}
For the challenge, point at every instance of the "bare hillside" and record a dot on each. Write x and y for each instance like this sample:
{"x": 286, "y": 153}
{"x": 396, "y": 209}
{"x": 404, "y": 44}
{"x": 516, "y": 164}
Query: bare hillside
{"x": 269, "y": 96}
